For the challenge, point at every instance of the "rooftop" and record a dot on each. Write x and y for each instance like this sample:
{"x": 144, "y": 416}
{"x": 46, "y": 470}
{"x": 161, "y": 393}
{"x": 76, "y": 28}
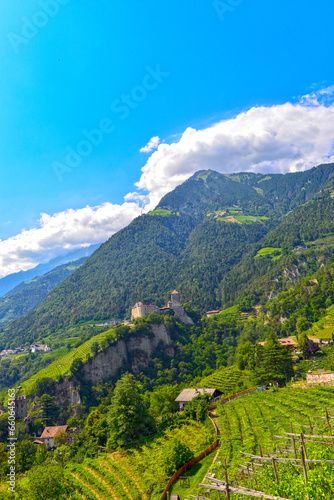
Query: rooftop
{"x": 140, "y": 304}
{"x": 50, "y": 432}
{"x": 284, "y": 342}
{"x": 189, "y": 394}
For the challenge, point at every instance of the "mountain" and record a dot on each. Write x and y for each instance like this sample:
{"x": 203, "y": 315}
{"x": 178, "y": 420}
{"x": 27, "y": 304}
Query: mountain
{"x": 297, "y": 247}
{"x": 12, "y": 280}
{"x": 196, "y": 235}
{"x": 29, "y": 294}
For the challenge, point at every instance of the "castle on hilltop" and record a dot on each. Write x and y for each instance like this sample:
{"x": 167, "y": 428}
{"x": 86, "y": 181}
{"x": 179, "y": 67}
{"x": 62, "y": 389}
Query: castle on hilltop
{"x": 141, "y": 309}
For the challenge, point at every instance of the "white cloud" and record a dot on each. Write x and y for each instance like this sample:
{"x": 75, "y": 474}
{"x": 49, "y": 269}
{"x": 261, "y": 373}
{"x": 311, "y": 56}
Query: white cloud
{"x": 152, "y": 144}
{"x": 63, "y": 232}
{"x": 318, "y": 97}
{"x": 283, "y": 138}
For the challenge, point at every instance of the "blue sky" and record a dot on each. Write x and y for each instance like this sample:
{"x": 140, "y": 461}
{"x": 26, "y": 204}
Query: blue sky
{"x": 64, "y": 78}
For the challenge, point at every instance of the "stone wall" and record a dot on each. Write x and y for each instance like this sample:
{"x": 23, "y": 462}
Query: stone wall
{"x": 319, "y": 378}
{"x": 135, "y": 352}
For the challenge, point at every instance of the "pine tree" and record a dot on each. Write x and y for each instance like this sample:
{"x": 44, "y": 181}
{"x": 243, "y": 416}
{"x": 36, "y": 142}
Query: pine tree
{"x": 302, "y": 344}
{"x": 128, "y": 416}
{"x": 276, "y": 364}
{"x": 49, "y": 410}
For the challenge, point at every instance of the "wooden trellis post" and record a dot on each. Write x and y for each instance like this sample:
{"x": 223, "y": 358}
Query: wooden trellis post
{"x": 304, "y": 468}
{"x": 293, "y": 441}
{"x": 304, "y": 447}
{"x": 329, "y": 427}
{"x": 311, "y": 428}
{"x": 226, "y": 479}
{"x": 275, "y": 471}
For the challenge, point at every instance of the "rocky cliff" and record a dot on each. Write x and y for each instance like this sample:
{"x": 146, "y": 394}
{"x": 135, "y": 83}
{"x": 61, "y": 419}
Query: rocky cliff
{"x": 66, "y": 394}
{"x": 135, "y": 351}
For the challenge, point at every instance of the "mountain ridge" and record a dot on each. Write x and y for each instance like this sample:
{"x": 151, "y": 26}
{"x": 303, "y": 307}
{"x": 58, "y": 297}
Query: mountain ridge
{"x": 195, "y": 236}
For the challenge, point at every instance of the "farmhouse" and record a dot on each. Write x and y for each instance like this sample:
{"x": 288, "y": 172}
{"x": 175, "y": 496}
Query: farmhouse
{"x": 212, "y": 313}
{"x": 50, "y": 433}
{"x": 288, "y": 342}
{"x": 188, "y": 394}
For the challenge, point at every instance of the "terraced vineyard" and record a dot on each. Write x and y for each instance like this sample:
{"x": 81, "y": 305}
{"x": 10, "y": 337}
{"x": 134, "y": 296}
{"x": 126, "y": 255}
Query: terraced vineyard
{"x": 135, "y": 474}
{"x": 62, "y": 365}
{"x": 256, "y": 419}
{"x": 324, "y": 329}
{"x": 228, "y": 380}
{"x": 108, "y": 477}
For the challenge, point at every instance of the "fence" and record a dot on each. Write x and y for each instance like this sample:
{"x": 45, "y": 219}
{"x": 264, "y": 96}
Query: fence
{"x": 238, "y": 394}
{"x": 209, "y": 449}
{"x": 192, "y": 462}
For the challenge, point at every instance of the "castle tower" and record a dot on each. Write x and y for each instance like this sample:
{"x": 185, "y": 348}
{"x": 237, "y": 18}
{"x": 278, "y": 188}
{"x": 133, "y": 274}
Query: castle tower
{"x": 175, "y": 299}
{"x": 21, "y": 407}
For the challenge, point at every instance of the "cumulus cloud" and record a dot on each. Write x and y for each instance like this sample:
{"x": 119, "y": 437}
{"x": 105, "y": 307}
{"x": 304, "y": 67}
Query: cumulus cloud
{"x": 151, "y": 145}
{"x": 63, "y": 232}
{"x": 281, "y": 138}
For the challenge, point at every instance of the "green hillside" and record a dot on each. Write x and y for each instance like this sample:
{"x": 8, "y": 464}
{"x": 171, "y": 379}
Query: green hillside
{"x": 296, "y": 248}
{"x": 179, "y": 246}
{"x": 62, "y": 365}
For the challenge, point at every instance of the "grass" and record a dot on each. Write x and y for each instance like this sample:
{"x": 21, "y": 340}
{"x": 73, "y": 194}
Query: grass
{"x": 324, "y": 329}
{"x": 196, "y": 474}
{"x": 203, "y": 175}
{"x": 249, "y": 219}
{"x": 268, "y": 251}
{"x": 235, "y": 215}
{"x": 162, "y": 212}
{"x": 231, "y": 310}
{"x": 327, "y": 240}
{"x": 267, "y": 178}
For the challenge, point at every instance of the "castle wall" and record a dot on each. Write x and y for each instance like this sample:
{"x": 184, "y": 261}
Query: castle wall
{"x": 139, "y": 312}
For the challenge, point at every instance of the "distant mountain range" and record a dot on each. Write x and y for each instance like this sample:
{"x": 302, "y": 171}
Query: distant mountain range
{"x": 29, "y": 294}
{"x": 215, "y": 238}
{"x": 12, "y": 280}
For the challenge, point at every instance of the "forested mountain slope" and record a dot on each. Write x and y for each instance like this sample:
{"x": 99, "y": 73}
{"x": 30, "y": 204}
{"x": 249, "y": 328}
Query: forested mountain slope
{"x": 297, "y": 247}
{"x": 29, "y": 294}
{"x": 198, "y": 233}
